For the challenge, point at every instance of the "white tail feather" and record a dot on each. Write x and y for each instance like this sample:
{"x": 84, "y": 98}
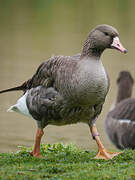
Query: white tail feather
{"x": 20, "y": 106}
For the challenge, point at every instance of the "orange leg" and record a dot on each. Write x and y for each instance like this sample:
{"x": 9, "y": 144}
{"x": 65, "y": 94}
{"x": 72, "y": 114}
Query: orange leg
{"x": 102, "y": 152}
{"x": 36, "y": 150}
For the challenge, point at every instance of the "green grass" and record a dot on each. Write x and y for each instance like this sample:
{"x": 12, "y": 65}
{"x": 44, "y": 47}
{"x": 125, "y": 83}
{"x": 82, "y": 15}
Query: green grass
{"x": 65, "y": 162}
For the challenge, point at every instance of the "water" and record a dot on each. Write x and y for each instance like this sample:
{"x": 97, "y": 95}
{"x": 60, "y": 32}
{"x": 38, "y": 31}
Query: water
{"x": 32, "y": 31}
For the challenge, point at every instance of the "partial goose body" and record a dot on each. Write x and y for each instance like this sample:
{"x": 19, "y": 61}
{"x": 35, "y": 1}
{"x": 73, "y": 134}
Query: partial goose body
{"x": 66, "y": 102}
{"x": 120, "y": 121}
{"x": 70, "y": 89}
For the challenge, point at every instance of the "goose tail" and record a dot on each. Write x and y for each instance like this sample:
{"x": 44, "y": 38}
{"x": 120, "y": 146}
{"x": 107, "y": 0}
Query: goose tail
{"x": 23, "y": 87}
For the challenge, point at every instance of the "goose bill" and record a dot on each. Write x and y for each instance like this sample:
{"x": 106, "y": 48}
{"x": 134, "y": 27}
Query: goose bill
{"x": 117, "y": 45}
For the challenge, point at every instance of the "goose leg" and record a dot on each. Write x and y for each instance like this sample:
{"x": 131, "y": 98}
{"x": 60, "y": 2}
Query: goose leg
{"x": 36, "y": 150}
{"x": 102, "y": 152}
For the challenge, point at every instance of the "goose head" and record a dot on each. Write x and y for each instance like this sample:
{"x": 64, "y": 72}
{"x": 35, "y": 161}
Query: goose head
{"x": 100, "y": 38}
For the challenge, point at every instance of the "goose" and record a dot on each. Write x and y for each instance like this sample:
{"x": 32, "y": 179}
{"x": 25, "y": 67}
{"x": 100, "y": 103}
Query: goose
{"x": 120, "y": 121}
{"x": 70, "y": 89}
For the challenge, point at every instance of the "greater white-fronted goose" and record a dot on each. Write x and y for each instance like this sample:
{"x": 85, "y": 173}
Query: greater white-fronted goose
{"x": 70, "y": 89}
{"x": 120, "y": 121}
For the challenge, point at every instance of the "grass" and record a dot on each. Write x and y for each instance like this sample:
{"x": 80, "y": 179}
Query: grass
{"x": 65, "y": 162}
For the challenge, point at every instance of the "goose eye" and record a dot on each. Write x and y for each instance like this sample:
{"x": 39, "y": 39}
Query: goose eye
{"x": 106, "y": 33}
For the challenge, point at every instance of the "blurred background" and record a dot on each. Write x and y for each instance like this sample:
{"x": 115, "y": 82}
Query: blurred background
{"x": 30, "y": 32}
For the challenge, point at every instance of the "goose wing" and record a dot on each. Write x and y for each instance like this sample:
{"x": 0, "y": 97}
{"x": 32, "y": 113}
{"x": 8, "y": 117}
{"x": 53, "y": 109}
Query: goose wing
{"x": 47, "y": 73}
{"x": 125, "y": 110}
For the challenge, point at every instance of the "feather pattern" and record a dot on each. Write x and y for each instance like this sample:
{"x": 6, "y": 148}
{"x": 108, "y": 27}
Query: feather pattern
{"x": 62, "y": 100}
